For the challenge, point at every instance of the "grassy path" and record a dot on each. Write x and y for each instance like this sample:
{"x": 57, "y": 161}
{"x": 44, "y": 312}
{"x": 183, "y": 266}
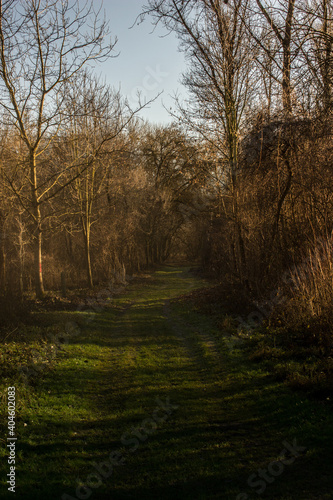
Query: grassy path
{"x": 151, "y": 395}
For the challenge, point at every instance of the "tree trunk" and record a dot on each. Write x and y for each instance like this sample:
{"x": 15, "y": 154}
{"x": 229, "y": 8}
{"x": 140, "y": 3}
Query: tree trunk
{"x": 39, "y": 287}
{"x": 21, "y": 255}
{"x": 86, "y": 235}
{"x": 286, "y": 85}
{"x": 327, "y": 62}
{"x": 286, "y": 44}
{"x": 233, "y": 162}
{"x": 3, "y": 279}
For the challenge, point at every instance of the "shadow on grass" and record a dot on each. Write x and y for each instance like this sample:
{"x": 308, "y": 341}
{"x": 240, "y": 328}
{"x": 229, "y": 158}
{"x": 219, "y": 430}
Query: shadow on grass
{"x": 232, "y": 419}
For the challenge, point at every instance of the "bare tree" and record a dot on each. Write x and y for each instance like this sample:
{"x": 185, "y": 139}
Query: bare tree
{"x": 217, "y": 45}
{"x": 97, "y": 112}
{"x": 317, "y": 52}
{"x": 43, "y": 45}
{"x": 280, "y": 20}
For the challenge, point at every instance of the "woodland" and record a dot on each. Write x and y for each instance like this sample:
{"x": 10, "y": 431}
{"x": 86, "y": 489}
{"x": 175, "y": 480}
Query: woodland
{"x": 240, "y": 181}
{"x": 238, "y": 186}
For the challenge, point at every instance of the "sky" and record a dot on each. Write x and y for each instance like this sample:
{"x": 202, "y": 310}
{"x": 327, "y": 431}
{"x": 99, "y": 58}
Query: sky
{"x": 148, "y": 62}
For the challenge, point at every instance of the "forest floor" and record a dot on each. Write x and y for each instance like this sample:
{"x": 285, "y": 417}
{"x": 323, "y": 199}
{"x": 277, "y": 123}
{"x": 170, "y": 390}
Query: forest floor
{"x": 150, "y": 400}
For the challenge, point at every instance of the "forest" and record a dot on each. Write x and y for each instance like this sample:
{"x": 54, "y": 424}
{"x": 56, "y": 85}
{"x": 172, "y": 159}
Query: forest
{"x": 235, "y": 192}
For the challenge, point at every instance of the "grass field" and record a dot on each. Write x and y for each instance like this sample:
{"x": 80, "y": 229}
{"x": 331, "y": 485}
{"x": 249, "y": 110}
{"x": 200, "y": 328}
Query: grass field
{"x": 149, "y": 400}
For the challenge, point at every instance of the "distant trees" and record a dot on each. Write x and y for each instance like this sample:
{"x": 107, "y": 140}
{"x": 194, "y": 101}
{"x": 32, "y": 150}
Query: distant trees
{"x": 173, "y": 166}
{"x": 97, "y": 115}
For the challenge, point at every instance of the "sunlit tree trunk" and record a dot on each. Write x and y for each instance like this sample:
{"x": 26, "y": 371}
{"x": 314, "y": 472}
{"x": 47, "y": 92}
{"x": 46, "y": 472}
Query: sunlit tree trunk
{"x": 37, "y": 226}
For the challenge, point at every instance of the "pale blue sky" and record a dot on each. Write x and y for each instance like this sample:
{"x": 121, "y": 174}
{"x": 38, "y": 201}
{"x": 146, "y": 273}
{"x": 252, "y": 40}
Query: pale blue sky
{"x": 147, "y": 61}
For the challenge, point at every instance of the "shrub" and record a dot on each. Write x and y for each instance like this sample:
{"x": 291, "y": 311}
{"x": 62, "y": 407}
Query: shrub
{"x": 13, "y": 309}
{"x": 309, "y": 308}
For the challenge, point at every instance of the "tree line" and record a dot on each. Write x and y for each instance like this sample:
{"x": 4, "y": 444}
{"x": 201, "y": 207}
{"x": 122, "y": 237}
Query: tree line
{"x": 241, "y": 179}
{"x": 87, "y": 188}
{"x": 259, "y": 77}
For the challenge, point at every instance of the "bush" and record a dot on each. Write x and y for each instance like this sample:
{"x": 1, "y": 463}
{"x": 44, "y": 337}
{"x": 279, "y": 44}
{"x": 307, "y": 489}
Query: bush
{"x": 308, "y": 310}
{"x": 13, "y": 310}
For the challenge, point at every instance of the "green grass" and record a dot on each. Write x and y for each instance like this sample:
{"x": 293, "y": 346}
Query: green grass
{"x": 231, "y": 419}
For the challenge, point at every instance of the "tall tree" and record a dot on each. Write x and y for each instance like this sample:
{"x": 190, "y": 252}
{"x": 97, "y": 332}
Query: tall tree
{"x": 317, "y": 75}
{"x": 97, "y": 112}
{"x": 280, "y": 18}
